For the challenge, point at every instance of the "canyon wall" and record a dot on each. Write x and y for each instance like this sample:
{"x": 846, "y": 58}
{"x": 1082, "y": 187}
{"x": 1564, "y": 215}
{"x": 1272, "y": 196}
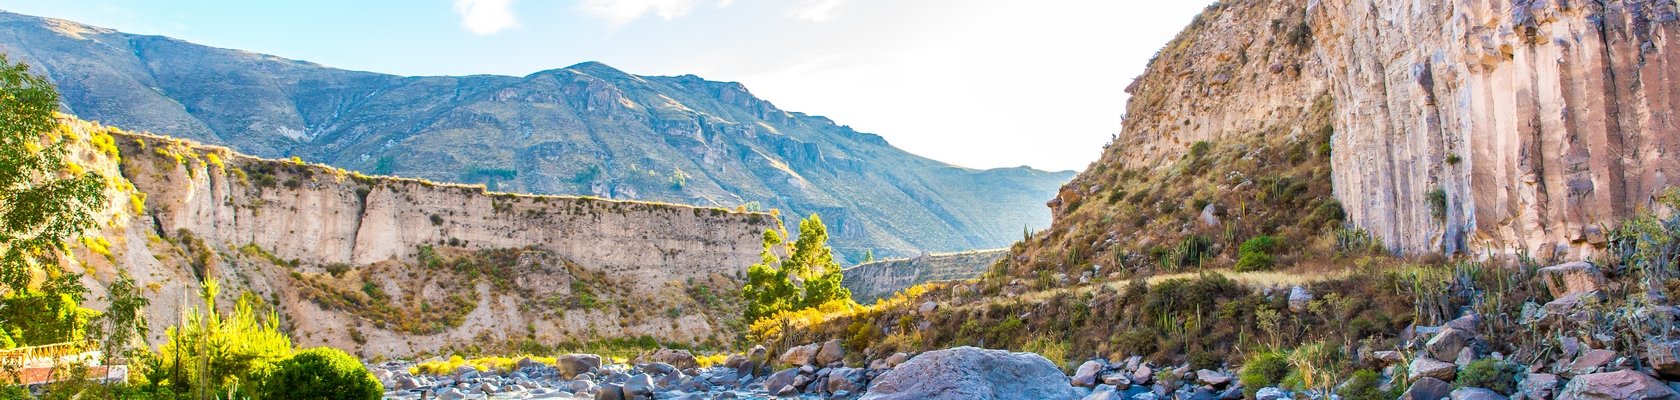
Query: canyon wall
{"x": 398, "y": 267}
{"x": 1499, "y": 127}
{"x": 880, "y": 279}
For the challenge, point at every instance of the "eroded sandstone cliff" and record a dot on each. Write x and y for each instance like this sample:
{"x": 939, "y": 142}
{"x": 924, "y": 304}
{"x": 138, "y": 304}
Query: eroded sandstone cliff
{"x": 400, "y": 266}
{"x": 875, "y": 280}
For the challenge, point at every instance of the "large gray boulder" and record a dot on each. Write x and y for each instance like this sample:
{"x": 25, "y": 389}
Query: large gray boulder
{"x": 681, "y": 359}
{"x": 973, "y": 373}
{"x": 1427, "y": 389}
{"x": 831, "y": 352}
{"x": 1447, "y": 343}
{"x": 1429, "y": 367}
{"x": 801, "y": 355}
{"x": 1624, "y": 384}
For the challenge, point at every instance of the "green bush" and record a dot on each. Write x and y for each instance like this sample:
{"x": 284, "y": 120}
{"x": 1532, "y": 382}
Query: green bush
{"x": 320, "y": 373}
{"x": 1263, "y": 370}
{"x": 1255, "y": 254}
{"x": 1491, "y": 374}
{"x": 1363, "y": 386}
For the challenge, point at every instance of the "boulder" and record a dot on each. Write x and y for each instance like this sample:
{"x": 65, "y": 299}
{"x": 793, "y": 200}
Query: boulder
{"x": 1471, "y": 393}
{"x": 610, "y": 391}
{"x": 801, "y": 355}
{"x": 1664, "y": 357}
{"x": 1143, "y": 374}
{"x": 1086, "y": 374}
{"x": 928, "y": 307}
{"x": 1299, "y": 298}
{"x": 973, "y": 373}
{"x": 1271, "y": 393}
{"x": 848, "y": 380}
{"x": 1212, "y": 378}
{"x": 1538, "y": 386}
{"x": 1422, "y": 367}
{"x": 1445, "y": 345}
{"x": 1624, "y": 384}
{"x": 570, "y": 365}
{"x": 830, "y": 353}
{"x": 681, "y": 359}
{"x": 779, "y": 379}
{"x": 1427, "y": 388}
{"x": 1118, "y": 380}
{"x": 1590, "y": 361}
{"x": 1570, "y": 278}
{"x": 1105, "y": 392}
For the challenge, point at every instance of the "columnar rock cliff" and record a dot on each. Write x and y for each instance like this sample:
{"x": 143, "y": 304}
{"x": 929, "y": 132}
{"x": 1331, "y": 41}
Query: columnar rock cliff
{"x": 400, "y": 266}
{"x": 1538, "y": 122}
{"x": 875, "y": 280}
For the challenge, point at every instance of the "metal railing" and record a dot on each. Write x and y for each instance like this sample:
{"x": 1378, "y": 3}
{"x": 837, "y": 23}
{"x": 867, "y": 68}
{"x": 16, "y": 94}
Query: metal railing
{"x": 48, "y": 355}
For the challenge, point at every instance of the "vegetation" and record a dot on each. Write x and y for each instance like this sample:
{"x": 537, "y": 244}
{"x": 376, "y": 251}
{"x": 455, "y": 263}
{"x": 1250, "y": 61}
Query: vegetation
{"x": 1265, "y": 369}
{"x": 320, "y": 373}
{"x": 210, "y": 354}
{"x": 1255, "y": 254}
{"x": 1491, "y": 374}
{"x": 809, "y": 277}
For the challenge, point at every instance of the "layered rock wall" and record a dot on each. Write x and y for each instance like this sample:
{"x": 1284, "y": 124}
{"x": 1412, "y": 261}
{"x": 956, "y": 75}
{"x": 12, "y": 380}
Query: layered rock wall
{"x": 1499, "y": 127}
{"x": 875, "y": 280}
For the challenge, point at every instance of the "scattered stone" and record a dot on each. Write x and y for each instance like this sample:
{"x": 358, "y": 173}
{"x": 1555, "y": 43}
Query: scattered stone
{"x": 1386, "y": 358}
{"x": 571, "y": 365}
{"x": 973, "y": 373}
{"x": 1118, "y": 380}
{"x": 638, "y": 385}
{"x": 1104, "y": 392}
{"x": 1446, "y": 343}
{"x": 849, "y": 380}
{"x": 1590, "y": 361}
{"x": 1427, "y": 388}
{"x": 1143, "y": 374}
{"x": 928, "y": 307}
{"x": 1271, "y": 393}
{"x": 1212, "y": 378}
{"x": 1422, "y": 367}
{"x": 781, "y": 378}
{"x": 801, "y": 355}
{"x": 681, "y": 359}
{"x": 1664, "y": 357}
{"x": 1572, "y": 278}
{"x": 1086, "y": 374}
{"x": 1624, "y": 384}
{"x": 830, "y": 353}
{"x": 1538, "y": 386}
{"x": 1471, "y": 393}
{"x": 610, "y": 391}
{"x": 1299, "y": 298}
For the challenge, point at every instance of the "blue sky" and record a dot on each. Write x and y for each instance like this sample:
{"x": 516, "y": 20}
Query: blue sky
{"x": 978, "y": 83}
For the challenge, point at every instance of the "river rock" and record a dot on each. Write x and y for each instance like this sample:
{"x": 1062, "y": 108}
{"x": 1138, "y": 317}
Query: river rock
{"x": 1471, "y": 393}
{"x": 830, "y": 353}
{"x": 570, "y": 365}
{"x": 781, "y": 378}
{"x": 1538, "y": 386}
{"x": 973, "y": 373}
{"x": 801, "y": 355}
{"x": 681, "y": 359}
{"x": 1624, "y": 384}
{"x": 1086, "y": 374}
{"x": 1429, "y": 367}
{"x": 1447, "y": 343}
{"x": 1427, "y": 388}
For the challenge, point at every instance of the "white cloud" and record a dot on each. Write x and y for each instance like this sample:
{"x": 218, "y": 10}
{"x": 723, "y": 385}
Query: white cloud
{"x": 484, "y": 17}
{"x": 815, "y": 10}
{"x": 620, "y": 12}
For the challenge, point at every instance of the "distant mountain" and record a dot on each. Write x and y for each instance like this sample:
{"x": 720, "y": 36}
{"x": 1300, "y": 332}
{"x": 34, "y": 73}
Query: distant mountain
{"x": 587, "y": 129}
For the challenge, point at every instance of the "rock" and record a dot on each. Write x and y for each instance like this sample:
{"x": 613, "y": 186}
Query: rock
{"x": 786, "y": 391}
{"x": 1271, "y": 393}
{"x": 570, "y": 365}
{"x": 1212, "y": 378}
{"x": 610, "y": 391}
{"x": 1119, "y": 380}
{"x": 800, "y": 355}
{"x": 1574, "y": 277}
{"x": 1432, "y": 368}
{"x": 1086, "y": 374}
{"x": 1427, "y": 388}
{"x": 1385, "y": 358}
{"x": 973, "y": 373}
{"x": 526, "y": 363}
{"x": 1143, "y": 374}
{"x": 758, "y": 353}
{"x": 1469, "y": 322}
{"x": 1624, "y": 384}
{"x": 734, "y": 361}
{"x": 1210, "y": 215}
{"x": 830, "y": 353}
{"x": 1104, "y": 392}
{"x": 1447, "y": 343}
{"x": 1299, "y": 298}
{"x": 681, "y": 359}
{"x": 848, "y": 380}
{"x": 638, "y": 385}
{"x": 1664, "y": 357}
{"x": 1471, "y": 393}
{"x": 405, "y": 383}
{"x": 779, "y": 379}
{"x": 928, "y": 307}
{"x": 1538, "y": 386}
{"x": 1590, "y": 361}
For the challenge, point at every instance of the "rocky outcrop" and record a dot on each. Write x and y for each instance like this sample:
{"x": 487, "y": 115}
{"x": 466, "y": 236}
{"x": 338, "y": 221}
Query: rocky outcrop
{"x": 875, "y": 280}
{"x": 1497, "y": 127}
{"x": 355, "y": 261}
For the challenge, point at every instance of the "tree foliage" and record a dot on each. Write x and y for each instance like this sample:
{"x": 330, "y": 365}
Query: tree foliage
{"x": 806, "y": 278}
{"x": 209, "y": 354}
{"x": 321, "y": 373}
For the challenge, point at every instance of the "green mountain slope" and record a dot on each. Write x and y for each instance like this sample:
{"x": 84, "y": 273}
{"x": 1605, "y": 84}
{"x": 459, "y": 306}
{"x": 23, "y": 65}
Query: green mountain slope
{"x": 587, "y": 129}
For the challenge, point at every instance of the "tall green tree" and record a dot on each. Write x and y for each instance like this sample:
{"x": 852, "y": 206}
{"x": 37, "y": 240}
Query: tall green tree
{"x": 808, "y": 277}
{"x": 46, "y": 201}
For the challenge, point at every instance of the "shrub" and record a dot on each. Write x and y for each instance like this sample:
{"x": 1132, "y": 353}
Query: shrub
{"x": 1255, "y": 254}
{"x": 1491, "y": 374}
{"x": 321, "y": 373}
{"x": 1437, "y": 199}
{"x": 1362, "y": 386}
{"x": 1263, "y": 370}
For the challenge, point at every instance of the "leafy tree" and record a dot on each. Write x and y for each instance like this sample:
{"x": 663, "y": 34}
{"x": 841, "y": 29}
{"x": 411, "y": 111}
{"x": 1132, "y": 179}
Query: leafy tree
{"x": 210, "y": 354}
{"x": 807, "y": 278}
{"x": 321, "y": 373}
{"x": 45, "y": 201}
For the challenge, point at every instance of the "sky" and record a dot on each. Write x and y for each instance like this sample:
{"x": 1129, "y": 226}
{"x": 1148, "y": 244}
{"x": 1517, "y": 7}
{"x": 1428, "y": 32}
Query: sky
{"x": 977, "y": 83}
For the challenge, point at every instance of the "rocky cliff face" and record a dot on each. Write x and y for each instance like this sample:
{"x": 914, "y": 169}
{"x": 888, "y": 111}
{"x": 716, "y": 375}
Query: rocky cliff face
{"x": 1500, "y": 127}
{"x": 401, "y": 266}
{"x": 876, "y": 280}
{"x": 587, "y": 129}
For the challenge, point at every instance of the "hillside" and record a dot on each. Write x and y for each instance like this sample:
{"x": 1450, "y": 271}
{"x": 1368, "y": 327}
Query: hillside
{"x": 389, "y": 266}
{"x": 587, "y": 129}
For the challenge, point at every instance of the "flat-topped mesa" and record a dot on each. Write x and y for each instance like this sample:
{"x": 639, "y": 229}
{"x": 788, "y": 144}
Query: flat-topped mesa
{"x": 320, "y": 215}
{"x": 879, "y": 279}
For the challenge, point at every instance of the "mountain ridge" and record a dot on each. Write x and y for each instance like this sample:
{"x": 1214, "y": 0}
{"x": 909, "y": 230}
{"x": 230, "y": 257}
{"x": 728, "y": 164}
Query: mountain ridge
{"x": 586, "y": 129}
